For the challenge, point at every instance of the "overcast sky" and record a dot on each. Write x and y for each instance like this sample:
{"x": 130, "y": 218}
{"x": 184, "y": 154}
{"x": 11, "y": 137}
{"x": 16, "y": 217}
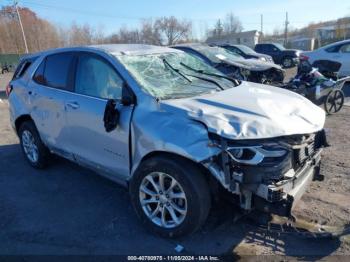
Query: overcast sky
{"x": 111, "y": 14}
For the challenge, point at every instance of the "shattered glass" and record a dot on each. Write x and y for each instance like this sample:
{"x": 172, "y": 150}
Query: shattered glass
{"x": 217, "y": 54}
{"x": 173, "y": 80}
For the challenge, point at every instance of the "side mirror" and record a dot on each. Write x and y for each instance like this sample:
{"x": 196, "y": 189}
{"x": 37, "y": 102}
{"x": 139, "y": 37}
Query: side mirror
{"x": 111, "y": 116}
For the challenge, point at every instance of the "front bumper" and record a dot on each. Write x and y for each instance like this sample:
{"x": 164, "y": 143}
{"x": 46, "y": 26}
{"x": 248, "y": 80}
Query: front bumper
{"x": 282, "y": 197}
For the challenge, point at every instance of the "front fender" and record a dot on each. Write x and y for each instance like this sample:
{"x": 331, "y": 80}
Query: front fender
{"x": 158, "y": 130}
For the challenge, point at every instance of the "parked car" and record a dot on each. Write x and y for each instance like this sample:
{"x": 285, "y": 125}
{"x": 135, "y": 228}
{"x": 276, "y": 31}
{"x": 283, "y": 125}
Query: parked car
{"x": 247, "y": 52}
{"x": 234, "y": 65}
{"x": 286, "y": 57}
{"x": 169, "y": 127}
{"x": 337, "y": 52}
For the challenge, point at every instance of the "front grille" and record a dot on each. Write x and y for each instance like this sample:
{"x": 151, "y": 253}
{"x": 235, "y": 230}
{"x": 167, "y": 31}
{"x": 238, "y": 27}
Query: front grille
{"x": 275, "y": 195}
{"x": 304, "y": 153}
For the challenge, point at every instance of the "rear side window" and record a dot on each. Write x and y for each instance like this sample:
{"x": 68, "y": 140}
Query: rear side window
{"x": 23, "y": 67}
{"x": 259, "y": 48}
{"x": 269, "y": 48}
{"x": 333, "y": 49}
{"x": 39, "y": 74}
{"x": 56, "y": 71}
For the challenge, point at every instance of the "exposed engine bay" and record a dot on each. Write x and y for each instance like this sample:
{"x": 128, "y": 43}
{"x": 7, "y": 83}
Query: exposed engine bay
{"x": 269, "y": 175}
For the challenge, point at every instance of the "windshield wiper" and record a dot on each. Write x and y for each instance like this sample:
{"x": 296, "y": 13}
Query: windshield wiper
{"x": 208, "y": 80}
{"x": 234, "y": 81}
{"x": 184, "y": 75}
{"x": 176, "y": 70}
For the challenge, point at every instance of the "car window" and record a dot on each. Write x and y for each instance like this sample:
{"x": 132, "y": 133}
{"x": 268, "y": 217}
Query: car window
{"x": 333, "y": 49}
{"x": 96, "y": 77}
{"x": 270, "y": 48}
{"x": 345, "y": 48}
{"x": 39, "y": 74}
{"x": 57, "y": 70}
{"x": 234, "y": 50}
{"x": 23, "y": 67}
{"x": 279, "y": 47}
{"x": 259, "y": 48}
{"x": 218, "y": 54}
{"x": 245, "y": 49}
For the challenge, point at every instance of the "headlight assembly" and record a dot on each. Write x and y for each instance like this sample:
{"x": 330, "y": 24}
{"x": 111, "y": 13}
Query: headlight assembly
{"x": 254, "y": 155}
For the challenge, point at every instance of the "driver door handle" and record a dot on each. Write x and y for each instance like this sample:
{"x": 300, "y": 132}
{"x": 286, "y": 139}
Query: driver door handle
{"x": 73, "y": 104}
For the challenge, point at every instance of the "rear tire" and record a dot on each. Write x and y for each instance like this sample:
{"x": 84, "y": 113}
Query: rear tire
{"x": 192, "y": 186}
{"x": 33, "y": 149}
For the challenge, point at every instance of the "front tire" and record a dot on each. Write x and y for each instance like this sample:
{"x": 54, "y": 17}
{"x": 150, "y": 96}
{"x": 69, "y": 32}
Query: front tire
{"x": 171, "y": 196}
{"x": 32, "y": 147}
{"x": 287, "y": 62}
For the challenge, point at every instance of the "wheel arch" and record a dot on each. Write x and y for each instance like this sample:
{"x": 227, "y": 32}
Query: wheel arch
{"x": 21, "y": 119}
{"x": 171, "y": 155}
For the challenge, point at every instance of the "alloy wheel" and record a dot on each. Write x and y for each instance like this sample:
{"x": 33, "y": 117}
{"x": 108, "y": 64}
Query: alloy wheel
{"x": 163, "y": 200}
{"x": 287, "y": 62}
{"x": 29, "y": 146}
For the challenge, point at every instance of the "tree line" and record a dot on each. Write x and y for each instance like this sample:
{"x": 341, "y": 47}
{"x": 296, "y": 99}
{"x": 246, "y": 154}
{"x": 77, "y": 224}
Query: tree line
{"x": 42, "y": 34}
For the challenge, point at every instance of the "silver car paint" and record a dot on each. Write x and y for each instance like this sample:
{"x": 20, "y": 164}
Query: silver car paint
{"x": 322, "y": 54}
{"x": 176, "y": 126}
{"x": 253, "y": 64}
{"x": 252, "y": 111}
{"x": 249, "y": 64}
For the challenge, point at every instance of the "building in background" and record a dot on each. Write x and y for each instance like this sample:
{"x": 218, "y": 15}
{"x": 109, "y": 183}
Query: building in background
{"x": 302, "y": 43}
{"x": 335, "y": 31}
{"x": 248, "y": 38}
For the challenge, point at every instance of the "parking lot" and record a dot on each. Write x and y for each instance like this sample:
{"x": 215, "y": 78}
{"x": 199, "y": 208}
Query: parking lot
{"x": 66, "y": 209}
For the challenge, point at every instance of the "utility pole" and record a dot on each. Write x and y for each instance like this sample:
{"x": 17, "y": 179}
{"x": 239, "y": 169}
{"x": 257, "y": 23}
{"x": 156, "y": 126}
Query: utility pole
{"x": 21, "y": 25}
{"x": 286, "y": 30}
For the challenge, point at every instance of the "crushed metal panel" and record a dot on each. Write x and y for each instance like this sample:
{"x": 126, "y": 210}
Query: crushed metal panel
{"x": 154, "y": 129}
{"x": 252, "y": 111}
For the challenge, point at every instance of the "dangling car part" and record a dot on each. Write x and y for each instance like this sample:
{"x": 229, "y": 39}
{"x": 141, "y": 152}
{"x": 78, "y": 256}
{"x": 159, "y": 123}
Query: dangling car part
{"x": 234, "y": 65}
{"x": 318, "y": 88}
{"x": 298, "y": 228}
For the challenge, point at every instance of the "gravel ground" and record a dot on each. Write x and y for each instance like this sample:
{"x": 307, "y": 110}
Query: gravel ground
{"x": 67, "y": 209}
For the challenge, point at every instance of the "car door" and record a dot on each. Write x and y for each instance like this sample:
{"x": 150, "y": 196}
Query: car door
{"x": 96, "y": 81}
{"x": 52, "y": 81}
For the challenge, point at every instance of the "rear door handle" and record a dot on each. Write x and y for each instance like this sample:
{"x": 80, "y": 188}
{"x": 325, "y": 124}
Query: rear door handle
{"x": 73, "y": 105}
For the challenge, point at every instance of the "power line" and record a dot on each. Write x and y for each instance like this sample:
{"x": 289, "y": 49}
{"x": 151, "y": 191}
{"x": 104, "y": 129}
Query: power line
{"x": 80, "y": 11}
{"x": 83, "y": 12}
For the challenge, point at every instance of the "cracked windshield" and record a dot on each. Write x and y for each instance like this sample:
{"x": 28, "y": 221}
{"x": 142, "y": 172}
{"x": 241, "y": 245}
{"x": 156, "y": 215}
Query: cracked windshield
{"x": 174, "y": 75}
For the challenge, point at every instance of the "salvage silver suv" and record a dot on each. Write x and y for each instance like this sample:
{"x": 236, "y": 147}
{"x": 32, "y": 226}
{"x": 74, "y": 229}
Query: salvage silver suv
{"x": 169, "y": 127}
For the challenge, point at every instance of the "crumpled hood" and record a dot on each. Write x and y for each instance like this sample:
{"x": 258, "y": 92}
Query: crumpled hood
{"x": 253, "y": 64}
{"x": 251, "y": 111}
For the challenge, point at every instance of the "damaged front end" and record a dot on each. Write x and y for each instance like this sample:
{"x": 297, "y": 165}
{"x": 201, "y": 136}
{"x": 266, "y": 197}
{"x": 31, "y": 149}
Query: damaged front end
{"x": 269, "y": 175}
